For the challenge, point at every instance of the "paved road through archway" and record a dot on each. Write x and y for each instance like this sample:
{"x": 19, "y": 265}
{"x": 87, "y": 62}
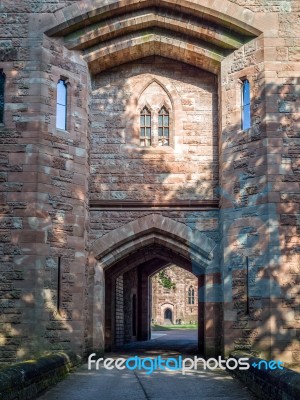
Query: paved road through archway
{"x": 160, "y": 385}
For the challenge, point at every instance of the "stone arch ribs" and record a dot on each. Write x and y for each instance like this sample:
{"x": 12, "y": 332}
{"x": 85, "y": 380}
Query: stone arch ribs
{"x": 155, "y": 229}
{"x": 144, "y": 44}
{"x": 198, "y": 32}
{"x": 149, "y": 18}
{"x": 224, "y": 13}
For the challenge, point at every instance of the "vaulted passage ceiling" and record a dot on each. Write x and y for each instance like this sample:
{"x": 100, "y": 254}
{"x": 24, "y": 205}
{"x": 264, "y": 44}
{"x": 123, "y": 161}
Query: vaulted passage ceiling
{"x": 122, "y": 31}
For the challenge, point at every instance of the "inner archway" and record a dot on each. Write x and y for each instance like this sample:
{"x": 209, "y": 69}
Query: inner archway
{"x": 174, "y": 311}
{"x": 174, "y": 298}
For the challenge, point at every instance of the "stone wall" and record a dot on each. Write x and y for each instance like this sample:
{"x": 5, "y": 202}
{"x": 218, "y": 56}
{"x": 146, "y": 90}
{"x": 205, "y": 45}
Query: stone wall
{"x": 35, "y": 6}
{"x": 43, "y": 193}
{"x": 260, "y": 205}
{"x": 123, "y": 170}
{"x": 27, "y": 380}
{"x": 45, "y": 222}
{"x": 271, "y": 6}
{"x": 104, "y": 221}
{"x": 268, "y": 383}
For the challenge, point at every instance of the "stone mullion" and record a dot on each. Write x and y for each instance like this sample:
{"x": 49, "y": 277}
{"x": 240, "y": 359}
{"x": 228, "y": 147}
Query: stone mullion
{"x": 154, "y": 124}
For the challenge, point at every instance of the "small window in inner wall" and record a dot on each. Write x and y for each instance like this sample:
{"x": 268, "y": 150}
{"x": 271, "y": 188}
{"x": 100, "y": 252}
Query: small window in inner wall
{"x": 191, "y": 295}
{"x": 61, "y": 105}
{"x": 163, "y": 127}
{"x": 246, "y": 112}
{"x": 2, "y": 86}
{"x": 145, "y": 127}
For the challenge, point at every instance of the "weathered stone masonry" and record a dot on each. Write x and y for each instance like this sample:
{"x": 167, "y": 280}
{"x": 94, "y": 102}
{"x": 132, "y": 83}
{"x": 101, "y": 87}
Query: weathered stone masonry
{"x": 63, "y": 194}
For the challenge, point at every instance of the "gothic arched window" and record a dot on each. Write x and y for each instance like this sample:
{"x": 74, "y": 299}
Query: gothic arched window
{"x": 2, "y": 86}
{"x": 163, "y": 127}
{"x": 61, "y": 105}
{"x": 145, "y": 127}
{"x": 191, "y": 295}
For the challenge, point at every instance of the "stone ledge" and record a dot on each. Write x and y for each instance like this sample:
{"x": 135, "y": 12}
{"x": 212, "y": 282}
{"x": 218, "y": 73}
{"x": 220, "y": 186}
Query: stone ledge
{"x": 26, "y": 380}
{"x": 269, "y": 384}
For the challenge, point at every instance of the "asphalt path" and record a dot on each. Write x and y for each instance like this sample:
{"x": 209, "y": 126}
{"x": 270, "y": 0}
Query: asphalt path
{"x": 104, "y": 384}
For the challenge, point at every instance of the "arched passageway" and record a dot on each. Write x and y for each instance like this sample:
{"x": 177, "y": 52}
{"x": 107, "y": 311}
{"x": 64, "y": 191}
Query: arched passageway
{"x": 139, "y": 250}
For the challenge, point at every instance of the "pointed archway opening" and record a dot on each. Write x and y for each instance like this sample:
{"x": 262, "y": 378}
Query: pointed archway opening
{"x": 128, "y": 304}
{"x": 138, "y": 250}
{"x": 174, "y": 310}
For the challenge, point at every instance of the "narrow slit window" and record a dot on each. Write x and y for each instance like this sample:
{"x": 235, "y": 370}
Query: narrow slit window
{"x": 2, "y": 86}
{"x": 61, "y": 105}
{"x": 163, "y": 127}
{"x": 246, "y": 112}
{"x": 58, "y": 284}
{"x": 145, "y": 127}
{"x": 191, "y": 296}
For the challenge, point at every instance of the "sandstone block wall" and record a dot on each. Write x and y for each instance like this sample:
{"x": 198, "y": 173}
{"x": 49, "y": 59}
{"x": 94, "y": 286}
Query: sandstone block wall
{"x": 123, "y": 170}
{"x": 43, "y": 189}
{"x": 259, "y": 180}
{"x": 27, "y": 380}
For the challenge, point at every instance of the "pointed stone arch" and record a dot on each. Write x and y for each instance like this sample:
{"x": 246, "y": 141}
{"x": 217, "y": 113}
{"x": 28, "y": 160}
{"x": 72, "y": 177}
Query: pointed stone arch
{"x": 140, "y": 45}
{"x": 229, "y": 14}
{"x": 154, "y": 228}
{"x": 167, "y": 90}
{"x": 109, "y": 33}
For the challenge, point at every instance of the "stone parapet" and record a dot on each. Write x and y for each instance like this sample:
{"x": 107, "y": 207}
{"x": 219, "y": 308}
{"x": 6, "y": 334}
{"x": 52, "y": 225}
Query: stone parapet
{"x": 269, "y": 384}
{"x": 28, "y": 379}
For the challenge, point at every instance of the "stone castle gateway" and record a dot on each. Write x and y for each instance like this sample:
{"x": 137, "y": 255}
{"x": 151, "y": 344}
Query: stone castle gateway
{"x": 139, "y": 133}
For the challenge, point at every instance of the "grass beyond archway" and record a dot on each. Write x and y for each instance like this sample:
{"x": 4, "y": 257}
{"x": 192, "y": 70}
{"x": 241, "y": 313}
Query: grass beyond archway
{"x": 171, "y": 327}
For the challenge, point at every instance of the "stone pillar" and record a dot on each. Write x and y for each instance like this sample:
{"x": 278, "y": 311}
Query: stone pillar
{"x": 143, "y": 305}
{"x": 246, "y": 210}
{"x": 201, "y": 315}
{"x": 210, "y": 315}
{"x": 109, "y": 312}
{"x": 44, "y": 200}
{"x": 119, "y": 294}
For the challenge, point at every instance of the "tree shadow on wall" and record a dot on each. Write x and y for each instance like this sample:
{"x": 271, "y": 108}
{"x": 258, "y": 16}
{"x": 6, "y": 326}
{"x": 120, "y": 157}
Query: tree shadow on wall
{"x": 260, "y": 266}
{"x": 245, "y": 226}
